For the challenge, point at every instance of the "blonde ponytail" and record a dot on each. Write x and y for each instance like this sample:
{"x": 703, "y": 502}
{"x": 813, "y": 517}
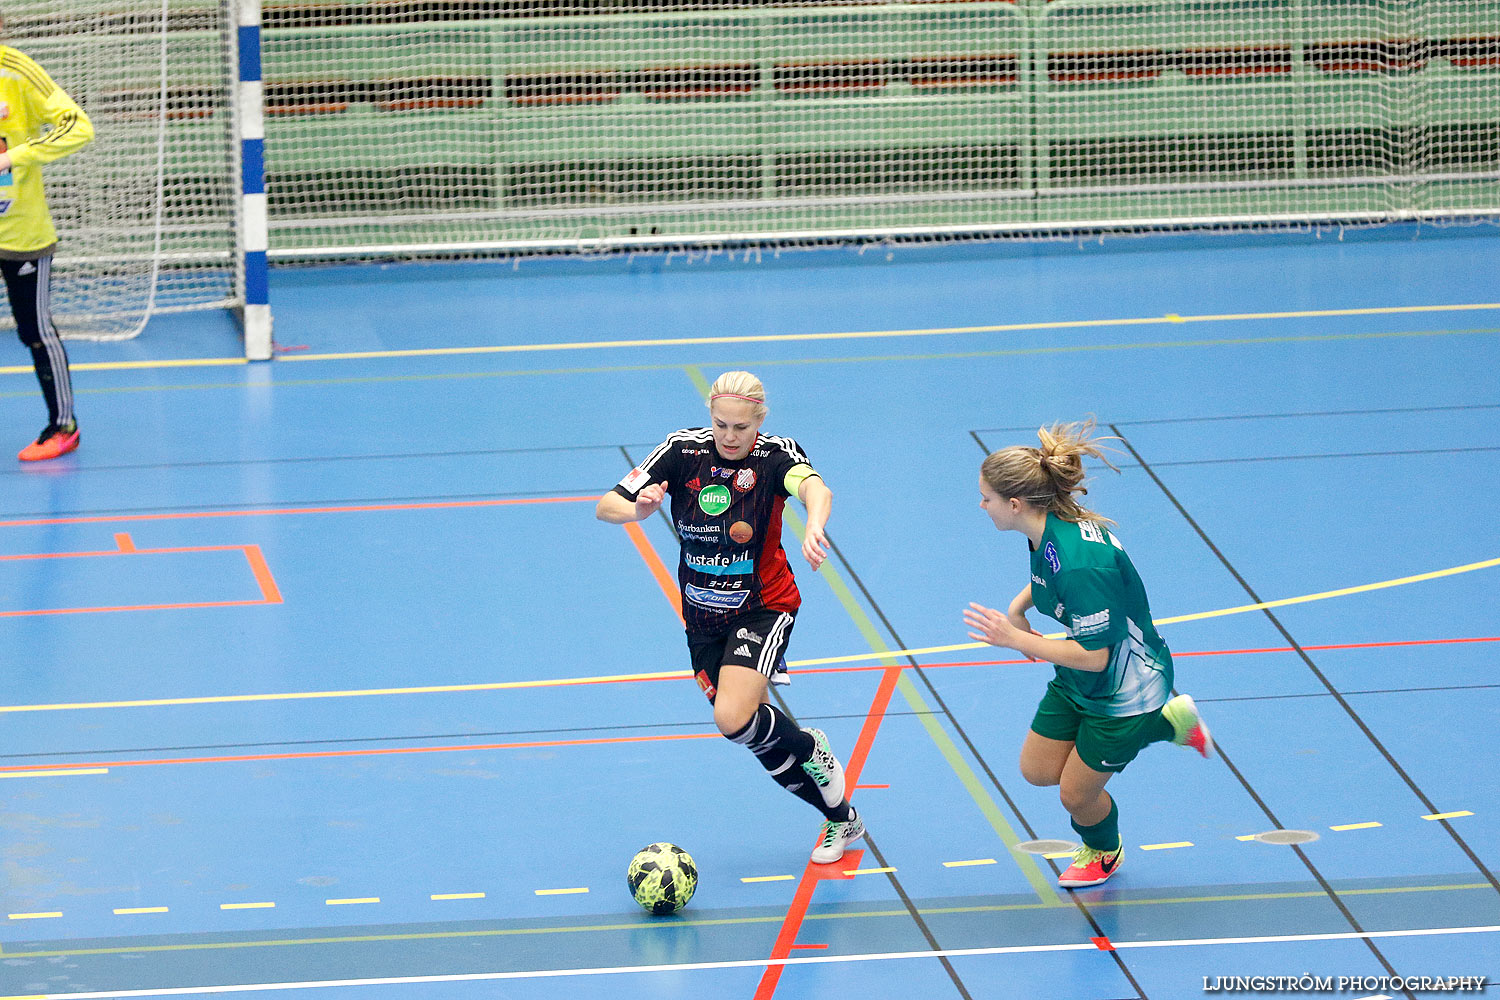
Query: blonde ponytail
{"x": 1049, "y": 476}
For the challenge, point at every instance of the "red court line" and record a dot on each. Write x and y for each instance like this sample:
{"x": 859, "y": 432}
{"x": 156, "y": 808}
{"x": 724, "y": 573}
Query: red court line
{"x": 375, "y": 752}
{"x": 812, "y": 874}
{"x": 276, "y": 511}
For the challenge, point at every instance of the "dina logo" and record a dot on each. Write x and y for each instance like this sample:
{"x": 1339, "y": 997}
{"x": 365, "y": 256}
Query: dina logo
{"x": 714, "y": 499}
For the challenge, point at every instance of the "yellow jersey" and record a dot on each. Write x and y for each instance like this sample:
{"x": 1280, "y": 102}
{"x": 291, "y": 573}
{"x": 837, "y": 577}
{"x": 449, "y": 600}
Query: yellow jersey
{"x": 39, "y": 123}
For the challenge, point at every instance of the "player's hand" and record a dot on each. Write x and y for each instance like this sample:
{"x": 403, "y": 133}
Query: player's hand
{"x": 649, "y": 500}
{"x": 1020, "y": 622}
{"x": 815, "y": 546}
{"x": 993, "y": 627}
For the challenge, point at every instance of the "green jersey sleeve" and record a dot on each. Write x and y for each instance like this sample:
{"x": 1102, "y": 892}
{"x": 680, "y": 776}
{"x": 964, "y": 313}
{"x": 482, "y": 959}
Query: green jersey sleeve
{"x": 1091, "y": 597}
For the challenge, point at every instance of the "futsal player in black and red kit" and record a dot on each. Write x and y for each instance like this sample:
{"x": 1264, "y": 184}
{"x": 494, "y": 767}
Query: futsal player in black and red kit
{"x": 728, "y": 484}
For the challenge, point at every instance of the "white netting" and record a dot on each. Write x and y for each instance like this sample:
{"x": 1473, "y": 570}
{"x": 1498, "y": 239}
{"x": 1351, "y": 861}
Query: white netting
{"x": 469, "y": 126}
{"x": 145, "y": 213}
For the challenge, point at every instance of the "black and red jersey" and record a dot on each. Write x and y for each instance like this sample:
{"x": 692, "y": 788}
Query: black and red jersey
{"x": 727, "y": 514}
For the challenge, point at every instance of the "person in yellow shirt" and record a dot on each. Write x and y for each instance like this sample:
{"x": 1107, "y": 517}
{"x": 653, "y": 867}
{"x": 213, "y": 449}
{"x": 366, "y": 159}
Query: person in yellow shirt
{"x": 39, "y": 123}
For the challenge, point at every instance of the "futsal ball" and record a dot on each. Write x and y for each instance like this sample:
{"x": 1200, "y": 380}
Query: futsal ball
{"x": 662, "y": 878}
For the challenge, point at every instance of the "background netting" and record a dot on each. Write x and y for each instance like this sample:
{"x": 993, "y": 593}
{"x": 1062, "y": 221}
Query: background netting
{"x": 461, "y": 127}
{"x": 146, "y": 175}
{"x": 468, "y": 125}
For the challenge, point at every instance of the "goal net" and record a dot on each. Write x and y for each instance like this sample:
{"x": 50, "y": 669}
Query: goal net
{"x": 403, "y": 127}
{"x": 146, "y": 213}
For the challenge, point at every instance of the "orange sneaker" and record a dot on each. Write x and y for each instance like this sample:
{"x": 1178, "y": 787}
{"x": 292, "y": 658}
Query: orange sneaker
{"x": 54, "y": 441}
{"x": 1090, "y": 867}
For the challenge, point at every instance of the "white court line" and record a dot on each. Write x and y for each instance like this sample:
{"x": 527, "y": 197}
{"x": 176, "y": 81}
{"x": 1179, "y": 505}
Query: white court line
{"x": 472, "y": 977}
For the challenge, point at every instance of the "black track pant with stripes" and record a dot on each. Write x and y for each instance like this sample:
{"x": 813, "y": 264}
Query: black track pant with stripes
{"x": 29, "y": 284}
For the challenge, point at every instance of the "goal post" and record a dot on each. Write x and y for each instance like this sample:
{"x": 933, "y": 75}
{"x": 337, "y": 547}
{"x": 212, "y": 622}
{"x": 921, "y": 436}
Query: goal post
{"x": 158, "y": 214}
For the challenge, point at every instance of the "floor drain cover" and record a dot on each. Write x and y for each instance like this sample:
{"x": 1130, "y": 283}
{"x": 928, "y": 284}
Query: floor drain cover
{"x": 1046, "y": 846}
{"x": 1286, "y": 837}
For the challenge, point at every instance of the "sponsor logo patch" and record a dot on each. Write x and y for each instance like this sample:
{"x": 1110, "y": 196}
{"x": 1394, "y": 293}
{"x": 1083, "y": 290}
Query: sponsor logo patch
{"x": 741, "y": 532}
{"x": 714, "y": 499}
{"x": 635, "y": 480}
{"x": 694, "y": 484}
{"x": 743, "y": 650}
{"x": 744, "y": 480}
{"x": 704, "y": 532}
{"x": 1059, "y": 611}
{"x": 716, "y": 600}
{"x": 721, "y": 565}
{"x": 1038, "y": 580}
{"x": 1049, "y": 553}
{"x": 1091, "y": 624}
{"x": 719, "y": 473}
{"x": 745, "y": 633}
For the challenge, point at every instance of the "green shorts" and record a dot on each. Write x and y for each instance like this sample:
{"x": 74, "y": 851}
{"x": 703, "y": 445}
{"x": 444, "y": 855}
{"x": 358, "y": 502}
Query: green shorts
{"x": 1103, "y": 742}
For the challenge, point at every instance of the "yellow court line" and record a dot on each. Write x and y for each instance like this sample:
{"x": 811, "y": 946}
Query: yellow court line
{"x": 54, "y": 774}
{"x": 1452, "y": 815}
{"x": 869, "y": 871}
{"x": 968, "y": 864}
{"x": 1354, "y": 826}
{"x": 1166, "y": 847}
{"x": 1058, "y": 855}
{"x": 352, "y": 902}
{"x": 559, "y": 892}
{"x": 36, "y": 916}
{"x": 140, "y": 909}
{"x": 769, "y": 878}
{"x": 1179, "y": 619}
{"x": 683, "y": 674}
{"x": 247, "y": 906}
{"x": 1254, "y": 836}
{"x": 457, "y": 895}
{"x": 585, "y": 345}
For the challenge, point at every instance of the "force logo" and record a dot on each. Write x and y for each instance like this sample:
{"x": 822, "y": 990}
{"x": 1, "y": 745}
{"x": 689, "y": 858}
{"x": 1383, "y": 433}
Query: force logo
{"x": 741, "y": 532}
{"x": 744, "y": 480}
{"x": 714, "y": 499}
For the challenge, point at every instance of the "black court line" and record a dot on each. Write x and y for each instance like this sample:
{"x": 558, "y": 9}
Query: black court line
{"x": 1292, "y": 415}
{"x": 1322, "y": 678}
{"x": 1325, "y": 694}
{"x": 906, "y": 901}
{"x": 1244, "y": 783}
{"x": 1332, "y": 454}
{"x": 1332, "y": 894}
{"x": 984, "y": 764}
{"x": 320, "y": 459}
{"x": 697, "y": 724}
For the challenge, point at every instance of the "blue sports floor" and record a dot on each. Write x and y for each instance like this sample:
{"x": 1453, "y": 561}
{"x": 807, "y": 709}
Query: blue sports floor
{"x": 322, "y": 679}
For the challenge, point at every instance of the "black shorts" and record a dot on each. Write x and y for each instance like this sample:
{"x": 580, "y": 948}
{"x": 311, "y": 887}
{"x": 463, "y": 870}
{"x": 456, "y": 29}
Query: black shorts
{"x": 756, "y": 640}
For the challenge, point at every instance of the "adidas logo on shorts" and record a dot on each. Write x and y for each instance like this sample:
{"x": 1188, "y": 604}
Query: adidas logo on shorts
{"x": 744, "y": 651}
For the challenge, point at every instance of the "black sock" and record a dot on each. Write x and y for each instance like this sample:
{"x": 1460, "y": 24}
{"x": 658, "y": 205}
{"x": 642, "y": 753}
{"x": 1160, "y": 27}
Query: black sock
{"x": 782, "y": 748}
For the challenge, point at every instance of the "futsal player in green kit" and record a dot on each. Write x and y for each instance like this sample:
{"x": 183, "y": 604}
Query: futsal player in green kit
{"x": 1112, "y": 693}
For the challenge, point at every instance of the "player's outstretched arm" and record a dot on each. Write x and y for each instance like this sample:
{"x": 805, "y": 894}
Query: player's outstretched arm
{"x": 818, "y": 498}
{"x": 997, "y": 629}
{"x": 617, "y": 510}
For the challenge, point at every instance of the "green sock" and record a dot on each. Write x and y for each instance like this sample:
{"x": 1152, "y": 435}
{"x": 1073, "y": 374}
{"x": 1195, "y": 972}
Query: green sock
{"x": 1105, "y": 834}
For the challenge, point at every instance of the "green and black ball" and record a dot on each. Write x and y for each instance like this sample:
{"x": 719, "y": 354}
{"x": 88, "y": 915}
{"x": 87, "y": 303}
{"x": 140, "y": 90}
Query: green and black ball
{"x": 662, "y": 878}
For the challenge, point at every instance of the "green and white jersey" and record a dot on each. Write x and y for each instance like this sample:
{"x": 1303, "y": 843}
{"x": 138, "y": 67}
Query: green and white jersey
{"x": 1081, "y": 576}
